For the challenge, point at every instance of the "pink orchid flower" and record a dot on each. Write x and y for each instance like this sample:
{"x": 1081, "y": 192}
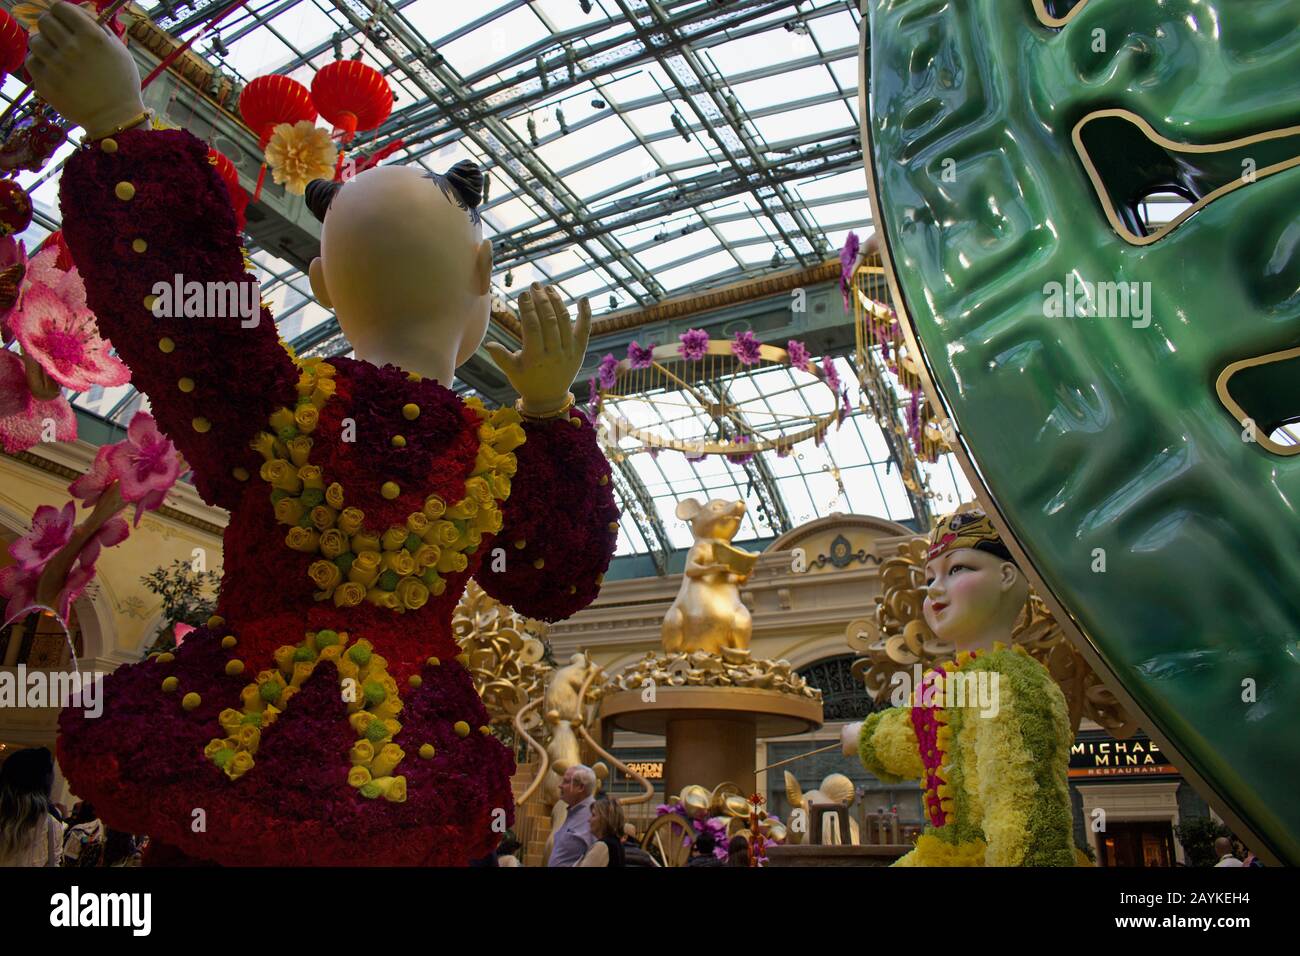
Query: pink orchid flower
{"x": 50, "y": 531}
{"x": 23, "y": 415}
{"x": 90, "y": 487}
{"x": 146, "y": 463}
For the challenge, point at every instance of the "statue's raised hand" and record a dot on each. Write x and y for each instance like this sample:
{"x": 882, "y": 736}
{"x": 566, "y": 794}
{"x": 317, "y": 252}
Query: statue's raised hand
{"x": 543, "y": 369}
{"x": 83, "y": 71}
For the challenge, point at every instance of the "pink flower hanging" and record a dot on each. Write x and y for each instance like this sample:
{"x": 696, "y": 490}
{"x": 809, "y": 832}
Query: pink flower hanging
{"x": 746, "y": 348}
{"x": 23, "y": 415}
{"x": 608, "y": 371}
{"x": 639, "y": 356}
{"x": 593, "y": 394}
{"x": 799, "y": 355}
{"x": 832, "y": 375}
{"x": 848, "y": 262}
{"x": 694, "y": 344}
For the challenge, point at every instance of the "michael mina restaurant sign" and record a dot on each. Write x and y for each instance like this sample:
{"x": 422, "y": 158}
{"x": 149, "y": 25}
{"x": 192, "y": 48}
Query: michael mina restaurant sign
{"x": 1100, "y": 755}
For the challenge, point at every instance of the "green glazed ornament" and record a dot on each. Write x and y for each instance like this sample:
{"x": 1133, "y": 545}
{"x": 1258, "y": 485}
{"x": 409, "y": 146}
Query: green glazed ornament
{"x": 1119, "y": 390}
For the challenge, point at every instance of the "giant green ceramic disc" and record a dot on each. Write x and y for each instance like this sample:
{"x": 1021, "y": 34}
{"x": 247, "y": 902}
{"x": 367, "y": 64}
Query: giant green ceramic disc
{"x": 1009, "y": 143}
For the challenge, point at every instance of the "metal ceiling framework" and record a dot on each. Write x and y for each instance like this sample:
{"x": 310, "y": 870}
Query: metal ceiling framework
{"x": 731, "y": 177}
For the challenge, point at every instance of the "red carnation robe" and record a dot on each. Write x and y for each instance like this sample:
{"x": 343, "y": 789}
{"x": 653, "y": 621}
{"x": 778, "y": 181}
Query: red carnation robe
{"x": 143, "y": 208}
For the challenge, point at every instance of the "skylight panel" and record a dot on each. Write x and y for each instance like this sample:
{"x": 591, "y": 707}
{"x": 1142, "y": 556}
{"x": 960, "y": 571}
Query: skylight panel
{"x": 485, "y": 46}
{"x": 900, "y": 508}
{"x": 437, "y": 18}
{"x": 799, "y": 123}
{"x": 703, "y": 268}
{"x": 783, "y": 88}
{"x": 674, "y": 249}
{"x": 855, "y": 211}
{"x": 772, "y": 46}
{"x": 578, "y": 145}
{"x": 832, "y": 30}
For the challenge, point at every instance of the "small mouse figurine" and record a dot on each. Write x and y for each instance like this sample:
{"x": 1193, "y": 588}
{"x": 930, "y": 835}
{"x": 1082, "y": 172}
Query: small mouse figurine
{"x": 707, "y": 614}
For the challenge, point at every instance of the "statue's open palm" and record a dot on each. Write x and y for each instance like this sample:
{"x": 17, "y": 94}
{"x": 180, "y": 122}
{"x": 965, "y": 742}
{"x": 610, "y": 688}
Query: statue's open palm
{"x": 543, "y": 370}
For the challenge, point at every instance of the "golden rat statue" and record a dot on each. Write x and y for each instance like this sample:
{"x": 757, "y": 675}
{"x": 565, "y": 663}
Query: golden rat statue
{"x": 707, "y": 614}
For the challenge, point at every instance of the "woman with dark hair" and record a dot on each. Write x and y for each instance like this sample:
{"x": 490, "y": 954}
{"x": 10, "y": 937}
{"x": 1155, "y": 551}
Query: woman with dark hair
{"x": 29, "y": 833}
{"x": 607, "y": 824}
{"x": 738, "y": 851}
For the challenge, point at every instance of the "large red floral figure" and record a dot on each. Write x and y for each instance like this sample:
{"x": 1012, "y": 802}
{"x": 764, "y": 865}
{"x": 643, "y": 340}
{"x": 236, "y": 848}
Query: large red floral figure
{"x": 321, "y": 716}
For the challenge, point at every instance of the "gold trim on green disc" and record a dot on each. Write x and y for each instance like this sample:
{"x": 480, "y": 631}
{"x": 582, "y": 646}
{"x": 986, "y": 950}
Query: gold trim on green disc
{"x": 1176, "y": 147}
{"x": 1070, "y": 625}
{"x": 1234, "y": 408}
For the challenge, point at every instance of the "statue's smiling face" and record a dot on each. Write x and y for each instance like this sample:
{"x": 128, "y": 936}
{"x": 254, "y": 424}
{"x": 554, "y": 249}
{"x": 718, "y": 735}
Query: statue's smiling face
{"x": 966, "y": 593}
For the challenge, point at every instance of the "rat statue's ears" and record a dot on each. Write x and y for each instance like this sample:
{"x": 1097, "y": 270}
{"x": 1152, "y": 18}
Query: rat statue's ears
{"x": 688, "y": 508}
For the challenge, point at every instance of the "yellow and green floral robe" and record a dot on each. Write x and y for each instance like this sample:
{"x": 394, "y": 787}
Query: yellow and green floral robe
{"x": 995, "y": 783}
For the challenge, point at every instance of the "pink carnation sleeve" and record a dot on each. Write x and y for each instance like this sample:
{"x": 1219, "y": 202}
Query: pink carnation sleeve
{"x": 145, "y": 210}
{"x": 558, "y": 525}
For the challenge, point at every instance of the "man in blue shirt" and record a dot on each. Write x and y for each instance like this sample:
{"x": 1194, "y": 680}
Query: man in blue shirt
{"x": 574, "y": 837}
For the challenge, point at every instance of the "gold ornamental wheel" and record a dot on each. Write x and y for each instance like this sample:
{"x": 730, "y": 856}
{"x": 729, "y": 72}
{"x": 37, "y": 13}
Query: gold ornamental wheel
{"x": 711, "y": 405}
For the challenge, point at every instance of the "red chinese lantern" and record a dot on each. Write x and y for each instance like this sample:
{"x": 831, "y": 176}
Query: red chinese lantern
{"x": 15, "y": 208}
{"x": 352, "y": 96}
{"x": 268, "y": 101}
{"x": 226, "y": 170}
{"x": 63, "y": 255}
{"x": 13, "y": 44}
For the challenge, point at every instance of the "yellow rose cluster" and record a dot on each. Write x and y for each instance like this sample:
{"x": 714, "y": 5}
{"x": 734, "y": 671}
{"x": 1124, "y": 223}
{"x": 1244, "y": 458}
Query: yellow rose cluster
{"x": 368, "y": 689}
{"x": 402, "y": 566}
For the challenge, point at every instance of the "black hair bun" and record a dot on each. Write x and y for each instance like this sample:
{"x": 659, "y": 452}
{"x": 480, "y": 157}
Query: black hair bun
{"x": 467, "y": 179}
{"x": 319, "y": 195}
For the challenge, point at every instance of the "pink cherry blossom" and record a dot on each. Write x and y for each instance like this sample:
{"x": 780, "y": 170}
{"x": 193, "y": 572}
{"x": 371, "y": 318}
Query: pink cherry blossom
{"x": 23, "y": 415}
{"x": 90, "y": 487}
{"x": 146, "y": 464}
{"x": 113, "y": 531}
{"x": 50, "y": 531}
{"x": 65, "y": 340}
{"x": 18, "y": 588}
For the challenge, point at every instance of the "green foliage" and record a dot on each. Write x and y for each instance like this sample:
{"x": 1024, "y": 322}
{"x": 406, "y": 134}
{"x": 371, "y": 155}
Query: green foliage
{"x": 188, "y": 597}
{"x": 1197, "y": 836}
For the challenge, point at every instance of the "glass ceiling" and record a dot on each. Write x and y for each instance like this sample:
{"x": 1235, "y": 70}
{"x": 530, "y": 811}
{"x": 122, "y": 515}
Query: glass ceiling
{"x": 635, "y": 149}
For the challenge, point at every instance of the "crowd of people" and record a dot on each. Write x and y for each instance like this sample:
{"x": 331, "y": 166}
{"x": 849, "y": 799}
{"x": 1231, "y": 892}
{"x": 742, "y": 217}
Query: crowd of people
{"x": 594, "y": 833}
{"x": 36, "y": 831}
